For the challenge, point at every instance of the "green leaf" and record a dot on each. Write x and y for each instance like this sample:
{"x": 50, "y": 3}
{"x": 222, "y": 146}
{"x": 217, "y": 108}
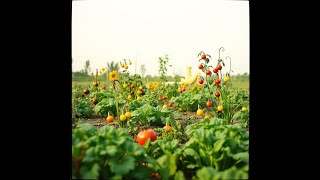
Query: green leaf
{"x": 122, "y": 166}
{"x": 90, "y": 155}
{"x": 206, "y": 173}
{"x": 97, "y": 108}
{"x": 192, "y": 166}
{"x": 218, "y": 144}
{"x": 193, "y": 153}
{"x": 112, "y": 150}
{"x": 120, "y": 140}
{"x": 197, "y": 96}
{"x": 87, "y": 129}
{"x": 179, "y": 176}
{"x": 243, "y": 156}
{"x": 90, "y": 173}
{"x": 137, "y": 149}
{"x": 205, "y": 157}
{"x": 135, "y": 113}
{"x": 234, "y": 173}
{"x": 167, "y": 164}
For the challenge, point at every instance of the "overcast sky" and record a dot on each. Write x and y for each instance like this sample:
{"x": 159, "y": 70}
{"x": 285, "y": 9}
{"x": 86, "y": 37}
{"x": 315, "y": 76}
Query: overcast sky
{"x": 142, "y": 30}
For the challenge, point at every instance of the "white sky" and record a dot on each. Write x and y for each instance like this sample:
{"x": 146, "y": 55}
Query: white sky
{"x": 106, "y": 30}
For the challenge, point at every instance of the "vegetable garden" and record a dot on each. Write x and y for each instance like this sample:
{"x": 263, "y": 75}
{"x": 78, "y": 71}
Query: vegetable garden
{"x": 197, "y": 128}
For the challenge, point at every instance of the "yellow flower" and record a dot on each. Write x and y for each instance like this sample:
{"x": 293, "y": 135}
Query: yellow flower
{"x": 113, "y": 75}
{"x": 150, "y": 85}
{"x": 155, "y": 84}
{"x": 103, "y": 69}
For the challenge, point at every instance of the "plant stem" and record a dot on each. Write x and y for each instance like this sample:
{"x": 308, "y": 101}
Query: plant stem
{"x": 116, "y": 97}
{"x": 208, "y": 88}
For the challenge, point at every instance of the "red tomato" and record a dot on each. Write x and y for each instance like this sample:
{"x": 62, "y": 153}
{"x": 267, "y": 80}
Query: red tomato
{"x": 201, "y": 81}
{"x": 132, "y": 86}
{"x": 215, "y": 70}
{"x": 209, "y": 104}
{"x": 217, "y": 94}
{"x": 200, "y": 66}
{"x": 181, "y": 91}
{"x": 203, "y": 56}
{"x": 164, "y": 97}
{"x": 144, "y": 135}
{"x": 170, "y": 105}
{"x": 208, "y": 72}
{"x": 217, "y": 81}
{"x": 219, "y": 67}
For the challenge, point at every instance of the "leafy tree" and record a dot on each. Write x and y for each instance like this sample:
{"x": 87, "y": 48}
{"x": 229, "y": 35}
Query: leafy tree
{"x": 112, "y": 66}
{"x": 163, "y": 61}
{"x": 87, "y": 68}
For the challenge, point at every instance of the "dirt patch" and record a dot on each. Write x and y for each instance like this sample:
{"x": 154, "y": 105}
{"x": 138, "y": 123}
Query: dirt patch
{"x": 186, "y": 118}
{"x": 99, "y": 121}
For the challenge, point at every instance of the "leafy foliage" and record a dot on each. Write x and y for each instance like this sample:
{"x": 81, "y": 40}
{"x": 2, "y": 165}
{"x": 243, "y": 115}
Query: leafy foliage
{"x": 150, "y": 115}
{"x": 108, "y": 153}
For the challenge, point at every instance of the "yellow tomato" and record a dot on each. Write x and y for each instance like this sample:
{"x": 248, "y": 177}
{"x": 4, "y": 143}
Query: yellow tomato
{"x": 140, "y": 88}
{"x": 226, "y": 79}
{"x": 139, "y": 98}
{"x": 164, "y": 106}
{"x": 129, "y": 97}
{"x": 168, "y": 128}
{"x": 128, "y": 115}
{"x": 125, "y": 85}
{"x": 220, "y": 108}
{"x": 199, "y": 112}
{"x": 123, "y": 117}
{"x": 126, "y": 66}
{"x": 244, "y": 108}
{"x": 139, "y": 92}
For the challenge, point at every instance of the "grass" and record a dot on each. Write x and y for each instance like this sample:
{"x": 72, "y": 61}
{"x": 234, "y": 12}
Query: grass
{"x": 243, "y": 84}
